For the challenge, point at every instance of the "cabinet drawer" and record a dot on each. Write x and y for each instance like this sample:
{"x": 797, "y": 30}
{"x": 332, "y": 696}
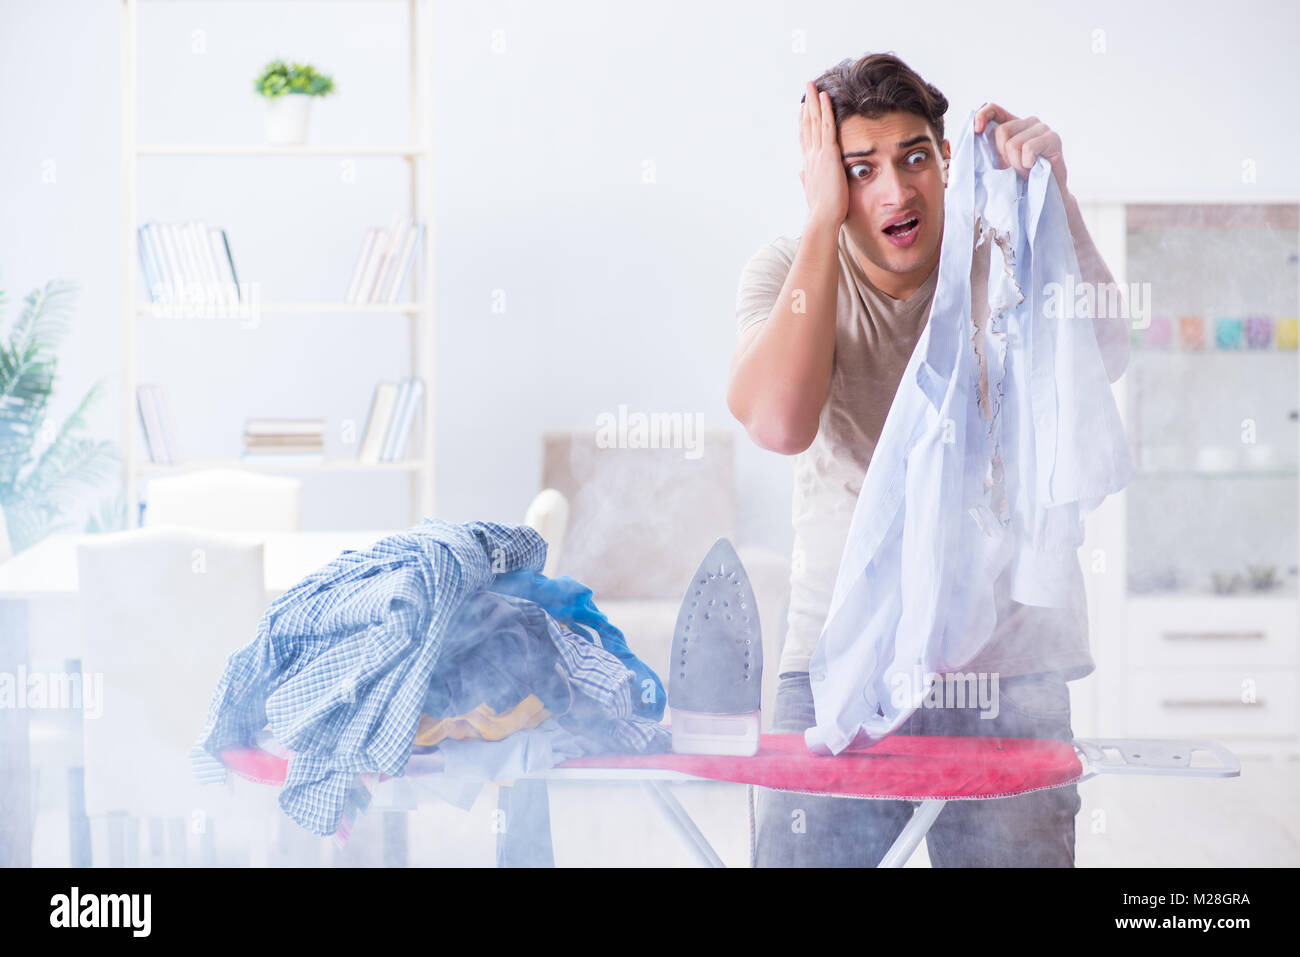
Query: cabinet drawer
{"x": 1192, "y": 632}
{"x": 1208, "y": 703}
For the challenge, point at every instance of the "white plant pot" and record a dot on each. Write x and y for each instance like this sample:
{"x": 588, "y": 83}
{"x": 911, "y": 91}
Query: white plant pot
{"x": 287, "y": 119}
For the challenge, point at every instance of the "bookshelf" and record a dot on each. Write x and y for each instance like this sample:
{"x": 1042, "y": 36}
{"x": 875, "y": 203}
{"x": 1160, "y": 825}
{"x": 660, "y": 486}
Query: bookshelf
{"x": 413, "y": 159}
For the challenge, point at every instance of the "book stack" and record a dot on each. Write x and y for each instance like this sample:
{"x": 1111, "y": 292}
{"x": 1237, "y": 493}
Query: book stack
{"x": 284, "y": 440}
{"x": 388, "y": 427}
{"x": 385, "y": 261}
{"x": 156, "y": 420}
{"x": 179, "y": 258}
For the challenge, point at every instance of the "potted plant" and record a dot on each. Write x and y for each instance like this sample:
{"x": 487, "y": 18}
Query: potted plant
{"x": 288, "y": 89}
{"x": 43, "y": 462}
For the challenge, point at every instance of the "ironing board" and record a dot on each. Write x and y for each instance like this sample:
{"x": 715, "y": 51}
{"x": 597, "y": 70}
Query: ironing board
{"x": 929, "y": 770}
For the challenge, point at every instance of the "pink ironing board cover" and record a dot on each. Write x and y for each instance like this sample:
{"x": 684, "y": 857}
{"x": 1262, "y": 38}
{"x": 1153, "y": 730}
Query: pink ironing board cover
{"x": 902, "y": 767}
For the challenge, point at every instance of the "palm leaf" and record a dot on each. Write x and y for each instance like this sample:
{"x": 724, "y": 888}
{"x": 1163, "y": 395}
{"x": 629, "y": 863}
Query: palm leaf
{"x": 36, "y": 494}
{"x": 27, "y": 366}
{"x": 68, "y": 461}
{"x": 44, "y": 319}
{"x": 54, "y": 489}
{"x": 25, "y": 387}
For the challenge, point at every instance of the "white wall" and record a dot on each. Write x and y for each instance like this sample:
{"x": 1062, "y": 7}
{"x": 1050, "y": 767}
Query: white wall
{"x": 618, "y": 291}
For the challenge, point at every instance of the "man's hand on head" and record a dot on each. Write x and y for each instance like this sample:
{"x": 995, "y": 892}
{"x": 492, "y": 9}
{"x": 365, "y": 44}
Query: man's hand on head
{"x": 824, "y": 180}
{"x": 1021, "y": 141}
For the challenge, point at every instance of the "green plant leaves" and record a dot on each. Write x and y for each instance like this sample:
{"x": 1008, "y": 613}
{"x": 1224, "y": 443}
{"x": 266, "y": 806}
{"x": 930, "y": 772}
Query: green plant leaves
{"x": 279, "y": 78}
{"x": 37, "y": 490}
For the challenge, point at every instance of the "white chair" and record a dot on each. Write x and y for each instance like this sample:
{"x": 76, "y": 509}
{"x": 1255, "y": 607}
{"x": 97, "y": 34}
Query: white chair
{"x": 161, "y": 610}
{"x": 549, "y": 515}
{"x": 226, "y": 500}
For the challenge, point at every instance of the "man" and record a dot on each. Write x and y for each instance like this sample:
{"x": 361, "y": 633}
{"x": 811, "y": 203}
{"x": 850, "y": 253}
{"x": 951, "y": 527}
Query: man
{"x": 827, "y": 323}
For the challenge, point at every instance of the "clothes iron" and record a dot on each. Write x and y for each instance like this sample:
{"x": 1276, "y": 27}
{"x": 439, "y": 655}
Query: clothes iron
{"x": 715, "y": 679}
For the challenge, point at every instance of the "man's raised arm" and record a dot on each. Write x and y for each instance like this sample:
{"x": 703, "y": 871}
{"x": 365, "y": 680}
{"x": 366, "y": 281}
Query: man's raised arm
{"x": 781, "y": 367}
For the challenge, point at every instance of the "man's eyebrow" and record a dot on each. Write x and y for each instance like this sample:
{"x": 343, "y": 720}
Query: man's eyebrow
{"x": 902, "y": 146}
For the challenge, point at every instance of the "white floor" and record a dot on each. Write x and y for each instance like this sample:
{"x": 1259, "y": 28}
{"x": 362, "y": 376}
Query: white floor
{"x": 1249, "y": 821}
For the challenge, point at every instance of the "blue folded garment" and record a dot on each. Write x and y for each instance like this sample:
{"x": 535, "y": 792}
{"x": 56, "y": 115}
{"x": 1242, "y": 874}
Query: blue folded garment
{"x": 571, "y": 602}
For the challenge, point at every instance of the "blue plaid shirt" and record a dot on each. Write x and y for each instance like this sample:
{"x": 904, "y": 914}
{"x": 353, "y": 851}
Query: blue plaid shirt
{"x": 341, "y": 662}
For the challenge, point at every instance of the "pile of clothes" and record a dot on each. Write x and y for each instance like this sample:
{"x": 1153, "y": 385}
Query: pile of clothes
{"x": 440, "y": 638}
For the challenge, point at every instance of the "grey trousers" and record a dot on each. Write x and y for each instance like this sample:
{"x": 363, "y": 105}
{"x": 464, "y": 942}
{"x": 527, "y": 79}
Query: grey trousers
{"x": 1029, "y": 830}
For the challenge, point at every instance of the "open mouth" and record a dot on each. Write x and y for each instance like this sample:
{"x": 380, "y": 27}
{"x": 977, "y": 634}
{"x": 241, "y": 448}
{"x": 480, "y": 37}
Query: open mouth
{"x": 903, "y": 229}
{"x": 904, "y": 232}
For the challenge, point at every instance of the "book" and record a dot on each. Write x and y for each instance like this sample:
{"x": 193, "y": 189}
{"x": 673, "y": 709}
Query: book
{"x": 286, "y": 443}
{"x": 285, "y": 426}
{"x": 146, "y": 264}
{"x": 189, "y": 261}
{"x": 413, "y": 238}
{"x": 172, "y": 249}
{"x": 225, "y": 277}
{"x": 390, "y": 435}
{"x": 372, "y": 267}
{"x": 152, "y": 438}
{"x": 175, "y": 259}
{"x": 392, "y": 236}
{"x": 253, "y": 440}
{"x": 401, "y": 228}
{"x": 155, "y": 417}
{"x": 175, "y": 269}
{"x": 198, "y": 234}
{"x": 402, "y": 438}
{"x": 384, "y": 262}
{"x": 382, "y": 404}
{"x": 162, "y": 280}
{"x": 230, "y": 260}
{"x": 169, "y": 437}
{"x": 367, "y": 245}
{"x": 271, "y": 439}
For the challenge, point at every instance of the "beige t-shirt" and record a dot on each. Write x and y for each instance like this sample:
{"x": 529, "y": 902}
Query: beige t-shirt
{"x": 874, "y": 339}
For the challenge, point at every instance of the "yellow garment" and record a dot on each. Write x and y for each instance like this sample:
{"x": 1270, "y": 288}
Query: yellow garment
{"x": 482, "y": 724}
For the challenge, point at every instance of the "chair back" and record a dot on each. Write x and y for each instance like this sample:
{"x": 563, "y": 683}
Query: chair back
{"x": 161, "y": 610}
{"x": 548, "y": 514}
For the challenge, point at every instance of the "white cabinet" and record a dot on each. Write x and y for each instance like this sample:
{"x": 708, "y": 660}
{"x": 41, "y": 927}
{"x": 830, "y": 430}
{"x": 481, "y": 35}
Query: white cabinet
{"x": 1193, "y": 596}
{"x": 1197, "y": 632}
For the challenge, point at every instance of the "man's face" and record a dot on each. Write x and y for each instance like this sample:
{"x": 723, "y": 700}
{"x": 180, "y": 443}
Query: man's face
{"x": 896, "y": 171}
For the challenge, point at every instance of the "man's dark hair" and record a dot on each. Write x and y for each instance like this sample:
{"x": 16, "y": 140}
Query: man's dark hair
{"x": 881, "y": 83}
